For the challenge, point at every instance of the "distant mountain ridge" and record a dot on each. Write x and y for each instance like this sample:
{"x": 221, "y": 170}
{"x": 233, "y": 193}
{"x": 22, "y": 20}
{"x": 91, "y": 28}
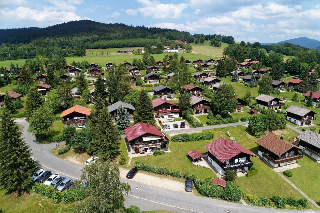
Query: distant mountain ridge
{"x": 302, "y": 41}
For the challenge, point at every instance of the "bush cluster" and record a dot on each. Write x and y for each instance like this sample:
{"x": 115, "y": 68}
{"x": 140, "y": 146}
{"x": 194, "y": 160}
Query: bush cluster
{"x": 276, "y": 202}
{"x": 56, "y": 138}
{"x": 252, "y": 172}
{"x": 190, "y": 120}
{"x": 223, "y": 121}
{"x": 243, "y": 119}
{"x": 158, "y": 152}
{"x": 205, "y": 135}
{"x": 64, "y": 150}
{"x": 287, "y": 173}
{"x": 158, "y": 170}
{"x": 68, "y": 196}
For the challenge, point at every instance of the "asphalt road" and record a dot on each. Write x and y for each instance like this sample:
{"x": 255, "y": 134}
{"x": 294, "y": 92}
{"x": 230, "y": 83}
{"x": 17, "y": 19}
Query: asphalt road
{"x": 144, "y": 196}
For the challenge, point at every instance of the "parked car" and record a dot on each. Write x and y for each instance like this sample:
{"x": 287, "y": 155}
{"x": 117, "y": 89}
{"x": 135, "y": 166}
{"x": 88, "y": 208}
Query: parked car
{"x": 51, "y": 178}
{"x": 167, "y": 126}
{"x": 175, "y": 126}
{"x": 91, "y": 160}
{"x": 37, "y": 174}
{"x": 132, "y": 173}
{"x": 64, "y": 184}
{"x": 182, "y": 125}
{"x": 56, "y": 182}
{"x": 44, "y": 176}
{"x": 188, "y": 185}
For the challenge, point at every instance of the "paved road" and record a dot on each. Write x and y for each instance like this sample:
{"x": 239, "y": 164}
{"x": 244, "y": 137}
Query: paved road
{"x": 199, "y": 129}
{"x": 144, "y": 196}
{"x": 294, "y": 129}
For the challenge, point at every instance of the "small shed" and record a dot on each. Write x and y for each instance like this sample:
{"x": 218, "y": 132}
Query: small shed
{"x": 253, "y": 112}
{"x": 195, "y": 155}
{"x": 219, "y": 182}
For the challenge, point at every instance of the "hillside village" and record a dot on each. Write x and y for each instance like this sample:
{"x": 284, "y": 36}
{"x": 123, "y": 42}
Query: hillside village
{"x": 230, "y": 123}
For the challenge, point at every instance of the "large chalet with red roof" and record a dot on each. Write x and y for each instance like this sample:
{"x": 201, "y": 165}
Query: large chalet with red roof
{"x": 292, "y": 83}
{"x": 225, "y": 155}
{"x": 315, "y": 97}
{"x": 76, "y": 116}
{"x": 164, "y": 108}
{"x": 142, "y": 137}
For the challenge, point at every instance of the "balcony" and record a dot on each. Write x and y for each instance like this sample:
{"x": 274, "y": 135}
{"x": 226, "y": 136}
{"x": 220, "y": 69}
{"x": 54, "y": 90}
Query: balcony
{"x": 167, "y": 111}
{"x": 283, "y": 159}
{"x": 237, "y": 165}
{"x": 75, "y": 121}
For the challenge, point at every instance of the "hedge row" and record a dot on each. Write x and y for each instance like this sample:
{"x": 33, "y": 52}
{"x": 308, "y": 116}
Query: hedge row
{"x": 64, "y": 150}
{"x": 158, "y": 152}
{"x": 276, "y": 202}
{"x": 158, "y": 170}
{"x": 223, "y": 121}
{"x": 243, "y": 119}
{"x": 190, "y": 120}
{"x": 68, "y": 196}
{"x": 205, "y": 135}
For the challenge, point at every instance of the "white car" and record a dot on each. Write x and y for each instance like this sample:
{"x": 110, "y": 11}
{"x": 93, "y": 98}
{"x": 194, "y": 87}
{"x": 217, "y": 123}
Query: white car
{"x": 51, "y": 178}
{"x": 91, "y": 160}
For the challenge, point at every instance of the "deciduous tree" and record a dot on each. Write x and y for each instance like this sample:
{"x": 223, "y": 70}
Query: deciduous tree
{"x": 224, "y": 100}
{"x": 265, "y": 85}
{"x": 66, "y": 97}
{"x": 41, "y": 121}
{"x": 33, "y": 102}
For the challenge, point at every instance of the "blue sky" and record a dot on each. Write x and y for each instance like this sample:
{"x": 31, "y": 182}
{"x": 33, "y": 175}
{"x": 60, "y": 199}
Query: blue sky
{"x": 248, "y": 20}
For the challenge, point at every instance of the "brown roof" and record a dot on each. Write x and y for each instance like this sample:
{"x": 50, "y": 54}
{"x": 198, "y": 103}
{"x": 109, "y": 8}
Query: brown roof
{"x": 189, "y": 87}
{"x": 275, "y": 144}
{"x": 219, "y": 182}
{"x": 78, "y": 109}
{"x": 14, "y": 95}
{"x": 264, "y": 70}
{"x": 44, "y": 86}
{"x": 295, "y": 81}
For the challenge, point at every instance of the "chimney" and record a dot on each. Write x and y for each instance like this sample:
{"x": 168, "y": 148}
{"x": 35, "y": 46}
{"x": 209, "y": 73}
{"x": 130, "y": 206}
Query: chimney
{"x": 80, "y": 107}
{"x": 234, "y": 141}
{"x": 281, "y": 137}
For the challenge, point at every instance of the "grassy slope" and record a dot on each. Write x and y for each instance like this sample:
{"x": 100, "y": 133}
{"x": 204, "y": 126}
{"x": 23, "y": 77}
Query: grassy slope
{"x": 206, "y": 49}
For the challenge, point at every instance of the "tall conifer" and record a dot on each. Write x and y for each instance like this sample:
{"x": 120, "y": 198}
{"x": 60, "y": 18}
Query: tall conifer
{"x": 144, "y": 112}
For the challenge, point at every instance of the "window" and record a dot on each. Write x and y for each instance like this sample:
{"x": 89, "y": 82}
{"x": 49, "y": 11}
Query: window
{"x": 236, "y": 160}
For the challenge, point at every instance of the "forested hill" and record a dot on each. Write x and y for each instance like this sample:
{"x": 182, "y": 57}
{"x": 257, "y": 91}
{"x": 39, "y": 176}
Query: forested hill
{"x": 89, "y": 28}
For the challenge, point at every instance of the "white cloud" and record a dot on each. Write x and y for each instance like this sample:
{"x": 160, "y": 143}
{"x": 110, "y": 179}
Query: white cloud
{"x": 197, "y": 11}
{"x": 131, "y": 12}
{"x": 298, "y": 7}
{"x": 7, "y": 3}
{"x": 113, "y": 15}
{"x": 65, "y": 5}
{"x": 46, "y": 16}
{"x": 180, "y": 27}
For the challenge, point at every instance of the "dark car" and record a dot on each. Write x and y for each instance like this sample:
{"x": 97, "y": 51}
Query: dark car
{"x": 64, "y": 184}
{"x": 56, "y": 182}
{"x": 188, "y": 185}
{"x": 132, "y": 173}
{"x": 44, "y": 176}
{"x": 175, "y": 126}
{"x": 182, "y": 125}
{"x": 37, "y": 174}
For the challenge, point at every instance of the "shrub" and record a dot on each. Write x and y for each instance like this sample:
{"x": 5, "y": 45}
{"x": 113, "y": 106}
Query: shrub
{"x": 187, "y": 115}
{"x": 64, "y": 150}
{"x": 303, "y": 202}
{"x": 230, "y": 175}
{"x": 279, "y": 201}
{"x": 287, "y": 173}
{"x": 292, "y": 202}
{"x": 18, "y": 104}
{"x": 122, "y": 160}
{"x": 56, "y": 138}
{"x": 206, "y": 189}
{"x": 72, "y": 195}
{"x": 205, "y": 135}
{"x": 132, "y": 209}
{"x": 158, "y": 152}
{"x": 223, "y": 121}
{"x": 232, "y": 192}
{"x": 276, "y": 91}
{"x": 56, "y": 196}
{"x": 312, "y": 128}
{"x": 243, "y": 119}
{"x": 252, "y": 172}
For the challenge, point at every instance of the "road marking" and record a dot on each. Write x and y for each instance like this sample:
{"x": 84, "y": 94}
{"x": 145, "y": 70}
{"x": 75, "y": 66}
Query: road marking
{"x": 156, "y": 202}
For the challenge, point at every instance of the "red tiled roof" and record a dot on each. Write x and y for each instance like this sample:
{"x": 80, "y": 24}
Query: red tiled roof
{"x": 47, "y": 86}
{"x": 139, "y": 129}
{"x": 295, "y": 81}
{"x": 14, "y": 95}
{"x": 160, "y": 101}
{"x": 189, "y": 87}
{"x": 224, "y": 149}
{"x": 244, "y": 63}
{"x": 194, "y": 154}
{"x": 275, "y": 144}
{"x": 314, "y": 94}
{"x": 219, "y": 182}
{"x": 78, "y": 109}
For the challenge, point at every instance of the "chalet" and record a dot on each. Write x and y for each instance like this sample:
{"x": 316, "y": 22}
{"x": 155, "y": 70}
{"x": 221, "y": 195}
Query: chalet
{"x": 300, "y": 116}
{"x": 142, "y": 137}
{"x": 199, "y": 105}
{"x": 205, "y": 67}
{"x": 159, "y": 63}
{"x": 72, "y": 70}
{"x": 95, "y": 71}
{"x": 276, "y": 84}
{"x": 126, "y": 51}
{"x": 240, "y": 104}
{"x": 194, "y": 90}
{"x": 315, "y": 97}
{"x": 188, "y": 62}
{"x": 75, "y": 92}
{"x": 263, "y": 71}
{"x": 163, "y": 92}
{"x": 114, "y": 107}
{"x": 309, "y": 142}
{"x": 200, "y": 76}
{"x": 197, "y": 61}
{"x": 151, "y": 78}
{"x": 170, "y": 75}
{"x": 225, "y": 155}
{"x": 153, "y": 69}
{"x": 244, "y": 64}
{"x": 127, "y": 64}
{"x": 109, "y": 65}
{"x": 209, "y": 82}
{"x": 134, "y": 71}
{"x": 209, "y": 61}
{"x": 277, "y": 152}
{"x": 268, "y": 102}
{"x": 76, "y": 116}
{"x": 180, "y": 41}
{"x": 41, "y": 78}
{"x": 246, "y": 79}
{"x": 292, "y": 83}
{"x": 92, "y": 65}
{"x": 14, "y": 96}
{"x": 165, "y": 109}
{"x": 168, "y": 49}
{"x": 240, "y": 73}
{"x": 64, "y": 77}
{"x": 43, "y": 88}
{"x": 216, "y": 86}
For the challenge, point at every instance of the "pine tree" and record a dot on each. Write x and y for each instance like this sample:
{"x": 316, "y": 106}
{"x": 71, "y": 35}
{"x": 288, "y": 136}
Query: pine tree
{"x": 33, "y": 102}
{"x": 104, "y": 134}
{"x": 235, "y": 77}
{"x": 184, "y": 101}
{"x": 122, "y": 118}
{"x": 151, "y": 61}
{"x": 82, "y": 83}
{"x": 16, "y": 164}
{"x": 144, "y": 112}
{"x": 253, "y": 82}
{"x": 99, "y": 88}
{"x": 50, "y": 78}
{"x": 25, "y": 77}
{"x": 66, "y": 97}
{"x": 310, "y": 99}
{"x": 8, "y": 102}
{"x": 247, "y": 97}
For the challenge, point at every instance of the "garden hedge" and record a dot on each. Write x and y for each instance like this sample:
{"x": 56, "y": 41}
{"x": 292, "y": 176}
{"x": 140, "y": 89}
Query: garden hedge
{"x": 205, "y": 135}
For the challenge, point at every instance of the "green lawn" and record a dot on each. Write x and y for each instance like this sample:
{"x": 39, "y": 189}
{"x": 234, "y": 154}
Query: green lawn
{"x": 239, "y": 88}
{"x": 238, "y": 115}
{"x": 203, "y": 118}
{"x": 307, "y": 177}
{"x": 208, "y": 50}
{"x": 7, "y": 87}
{"x": 30, "y": 203}
{"x": 7, "y": 63}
